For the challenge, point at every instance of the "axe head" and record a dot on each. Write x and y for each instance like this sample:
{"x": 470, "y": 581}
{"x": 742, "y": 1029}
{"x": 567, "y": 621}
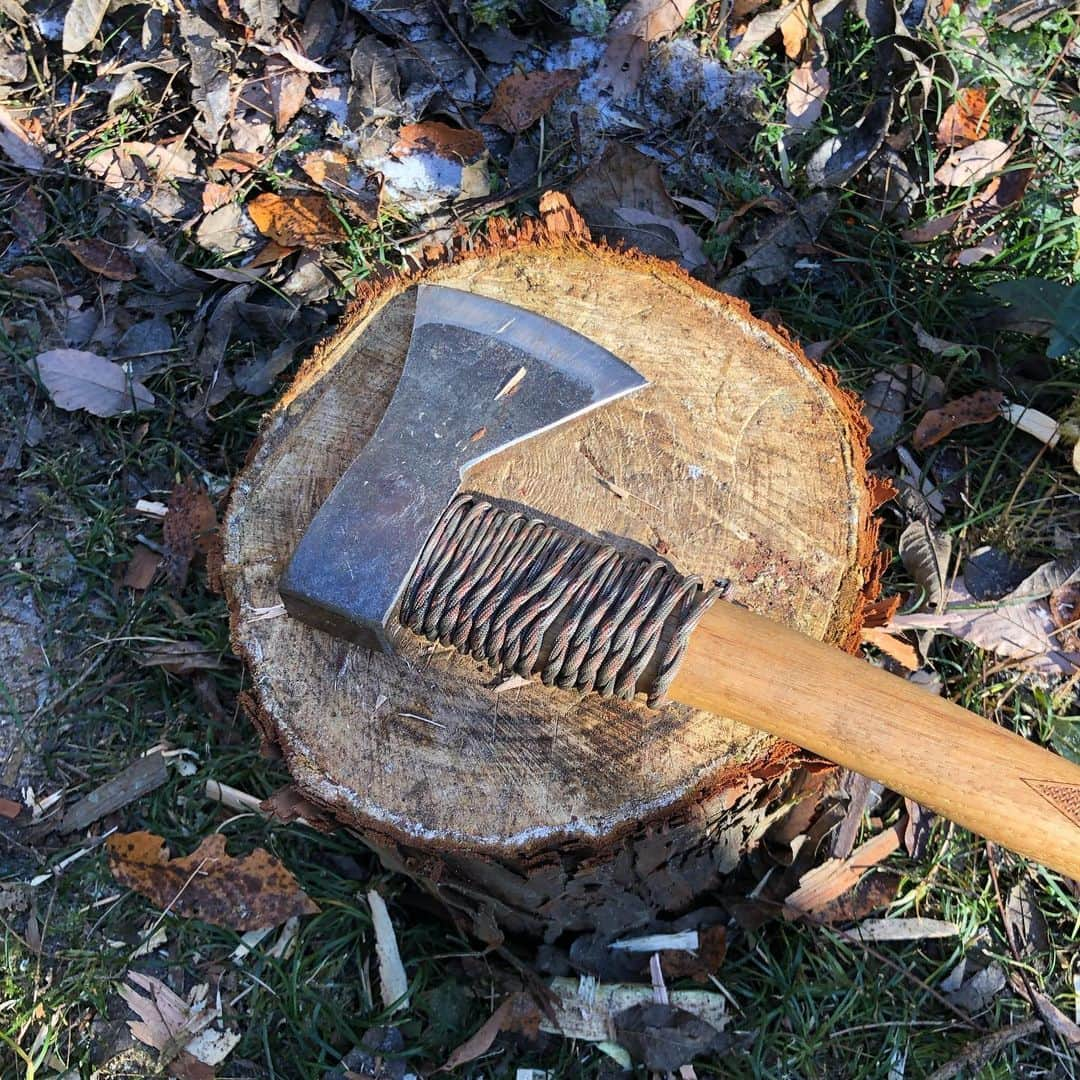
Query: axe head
{"x": 480, "y": 376}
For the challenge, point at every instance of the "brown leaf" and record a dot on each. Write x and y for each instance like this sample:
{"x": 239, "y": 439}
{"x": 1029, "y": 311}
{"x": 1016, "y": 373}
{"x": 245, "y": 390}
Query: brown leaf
{"x": 253, "y": 892}
{"x": 973, "y": 163}
{"x": 442, "y": 140}
{"x": 1065, "y": 611}
{"x": 271, "y": 252}
{"x": 806, "y": 92}
{"x": 518, "y": 1012}
{"x": 306, "y": 221}
{"x": 141, "y": 568}
{"x": 627, "y": 44}
{"x": 215, "y": 196}
{"x": 795, "y": 28}
{"x": 238, "y": 161}
{"x": 288, "y": 89}
{"x": 102, "y": 258}
{"x": 966, "y": 120}
{"x": 28, "y": 221}
{"x": 978, "y": 408}
{"x": 84, "y": 380}
{"x": 10, "y": 809}
{"x": 523, "y": 97}
{"x": 332, "y": 170}
{"x": 189, "y": 529}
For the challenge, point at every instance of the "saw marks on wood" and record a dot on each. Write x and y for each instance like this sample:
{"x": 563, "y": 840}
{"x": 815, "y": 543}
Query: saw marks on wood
{"x": 737, "y": 462}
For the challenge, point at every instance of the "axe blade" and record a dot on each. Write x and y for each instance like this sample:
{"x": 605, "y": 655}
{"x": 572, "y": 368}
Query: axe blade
{"x": 480, "y": 376}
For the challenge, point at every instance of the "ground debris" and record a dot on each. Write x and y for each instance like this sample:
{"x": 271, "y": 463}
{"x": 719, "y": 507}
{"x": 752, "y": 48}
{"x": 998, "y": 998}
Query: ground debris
{"x": 247, "y": 893}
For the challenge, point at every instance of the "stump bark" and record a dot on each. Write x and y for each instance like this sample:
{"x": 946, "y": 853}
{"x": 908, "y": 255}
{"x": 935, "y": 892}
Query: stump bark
{"x": 532, "y": 809}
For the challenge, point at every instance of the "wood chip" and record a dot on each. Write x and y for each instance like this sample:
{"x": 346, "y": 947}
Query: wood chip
{"x": 833, "y": 878}
{"x": 393, "y": 982}
{"x": 142, "y": 776}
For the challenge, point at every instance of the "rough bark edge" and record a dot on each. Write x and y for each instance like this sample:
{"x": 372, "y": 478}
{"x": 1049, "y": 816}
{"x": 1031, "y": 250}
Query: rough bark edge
{"x": 560, "y": 225}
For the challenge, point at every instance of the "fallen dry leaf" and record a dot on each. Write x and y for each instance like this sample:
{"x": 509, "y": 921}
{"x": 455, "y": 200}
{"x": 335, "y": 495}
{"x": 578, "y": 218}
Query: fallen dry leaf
{"x": 806, "y": 91}
{"x": 965, "y": 121}
{"x": 253, "y": 892}
{"x": 141, "y": 569}
{"x": 169, "y": 1024}
{"x": 432, "y": 137}
{"x": 289, "y": 803}
{"x": 28, "y": 221}
{"x": 938, "y": 346}
{"x": 102, "y": 258}
{"x": 1019, "y": 627}
{"x": 305, "y": 221}
{"x": 189, "y": 529}
{"x": 82, "y": 22}
{"x": 978, "y": 408}
{"x": 795, "y": 28}
{"x": 627, "y": 44}
{"x": 973, "y": 163}
{"x": 238, "y": 161}
{"x": 84, "y": 380}
{"x": 332, "y": 170}
{"x": 523, "y": 97}
{"x": 518, "y": 1012}
{"x": 1064, "y": 605}
{"x": 17, "y": 144}
{"x": 10, "y": 809}
{"x": 288, "y": 89}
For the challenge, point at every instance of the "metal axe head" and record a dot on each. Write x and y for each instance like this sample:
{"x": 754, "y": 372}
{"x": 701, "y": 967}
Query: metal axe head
{"x": 479, "y": 377}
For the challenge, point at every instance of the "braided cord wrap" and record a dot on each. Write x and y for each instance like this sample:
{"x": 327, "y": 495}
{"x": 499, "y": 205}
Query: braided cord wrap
{"x": 495, "y": 585}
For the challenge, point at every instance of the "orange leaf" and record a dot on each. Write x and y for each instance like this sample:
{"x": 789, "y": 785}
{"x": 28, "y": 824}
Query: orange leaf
{"x": 271, "y": 253}
{"x": 296, "y": 220}
{"x": 965, "y": 121}
{"x": 521, "y": 99}
{"x": 215, "y": 195}
{"x": 433, "y": 137}
{"x": 978, "y": 408}
{"x": 250, "y": 893}
{"x": 795, "y": 28}
{"x": 102, "y": 258}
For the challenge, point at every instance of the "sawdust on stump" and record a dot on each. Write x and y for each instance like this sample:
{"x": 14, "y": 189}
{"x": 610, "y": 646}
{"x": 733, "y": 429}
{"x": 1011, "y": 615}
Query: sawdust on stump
{"x": 537, "y": 810}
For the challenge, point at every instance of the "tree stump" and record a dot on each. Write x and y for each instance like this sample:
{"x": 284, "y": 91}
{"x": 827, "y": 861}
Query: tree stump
{"x": 538, "y": 811}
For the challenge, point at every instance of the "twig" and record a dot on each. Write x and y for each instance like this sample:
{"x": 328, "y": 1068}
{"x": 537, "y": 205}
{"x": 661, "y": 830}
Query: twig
{"x": 978, "y": 1053}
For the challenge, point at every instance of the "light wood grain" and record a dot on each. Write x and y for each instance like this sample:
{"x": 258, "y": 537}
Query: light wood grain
{"x": 972, "y": 771}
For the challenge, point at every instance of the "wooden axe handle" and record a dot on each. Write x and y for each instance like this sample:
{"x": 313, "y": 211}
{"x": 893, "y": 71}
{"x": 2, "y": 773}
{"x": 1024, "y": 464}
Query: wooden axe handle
{"x": 999, "y": 785}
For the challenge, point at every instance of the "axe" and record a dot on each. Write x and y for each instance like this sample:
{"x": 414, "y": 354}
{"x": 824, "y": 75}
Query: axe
{"x": 395, "y": 549}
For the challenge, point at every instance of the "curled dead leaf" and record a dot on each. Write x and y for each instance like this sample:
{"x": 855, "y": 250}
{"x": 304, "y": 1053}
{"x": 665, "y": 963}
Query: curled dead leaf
{"x": 523, "y": 97}
{"x": 305, "y": 221}
{"x": 253, "y": 892}
{"x": 978, "y": 408}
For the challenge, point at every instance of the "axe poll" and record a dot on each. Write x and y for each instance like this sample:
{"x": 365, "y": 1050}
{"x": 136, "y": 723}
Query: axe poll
{"x": 395, "y": 550}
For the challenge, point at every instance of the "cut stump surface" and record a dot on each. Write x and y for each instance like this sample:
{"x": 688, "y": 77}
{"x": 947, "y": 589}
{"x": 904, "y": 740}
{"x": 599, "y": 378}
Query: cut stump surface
{"x": 743, "y": 460}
